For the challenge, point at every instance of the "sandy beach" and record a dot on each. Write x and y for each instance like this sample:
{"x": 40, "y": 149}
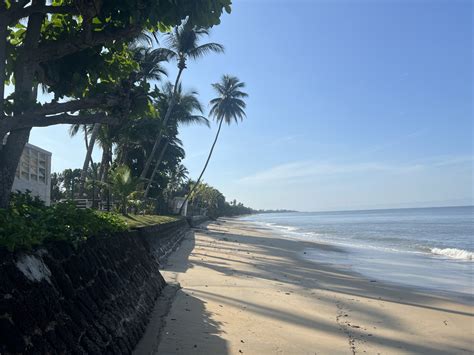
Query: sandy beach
{"x": 244, "y": 290}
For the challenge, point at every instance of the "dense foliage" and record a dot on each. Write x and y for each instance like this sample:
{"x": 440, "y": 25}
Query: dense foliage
{"x": 207, "y": 200}
{"x": 28, "y": 222}
{"x": 81, "y": 53}
{"x": 102, "y": 65}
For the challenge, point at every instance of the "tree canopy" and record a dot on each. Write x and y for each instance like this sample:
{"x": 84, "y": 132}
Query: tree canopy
{"x": 79, "y": 52}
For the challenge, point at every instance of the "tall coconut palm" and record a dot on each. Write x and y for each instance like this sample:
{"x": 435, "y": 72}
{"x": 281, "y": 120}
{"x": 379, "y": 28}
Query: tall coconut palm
{"x": 182, "y": 45}
{"x": 183, "y": 113}
{"x": 228, "y": 107}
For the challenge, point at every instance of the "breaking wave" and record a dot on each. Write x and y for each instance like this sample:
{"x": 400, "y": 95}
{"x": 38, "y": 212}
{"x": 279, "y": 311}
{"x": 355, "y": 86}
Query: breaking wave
{"x": 453, "y": 253}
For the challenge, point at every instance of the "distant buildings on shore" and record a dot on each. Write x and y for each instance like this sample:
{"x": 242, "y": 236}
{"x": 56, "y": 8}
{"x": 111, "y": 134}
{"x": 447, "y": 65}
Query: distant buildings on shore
{"x": 34, "y": 173}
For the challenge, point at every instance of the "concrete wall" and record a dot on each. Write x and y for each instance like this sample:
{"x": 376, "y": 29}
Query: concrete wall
{"x": 93, "y": 299}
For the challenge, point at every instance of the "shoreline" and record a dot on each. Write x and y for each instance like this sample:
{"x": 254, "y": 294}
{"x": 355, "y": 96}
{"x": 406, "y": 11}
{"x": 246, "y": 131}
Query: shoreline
{"x": 456, "y": 296}
{"x": 246, "y": 290}
{"x": 418, "y": 269}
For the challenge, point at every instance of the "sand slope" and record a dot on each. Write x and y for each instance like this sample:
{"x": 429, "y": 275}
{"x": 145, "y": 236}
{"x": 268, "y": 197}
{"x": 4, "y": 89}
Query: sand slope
{"x": 246, "y": 291}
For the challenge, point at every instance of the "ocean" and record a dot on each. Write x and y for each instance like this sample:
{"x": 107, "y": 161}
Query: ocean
{"x": 429, "y": 248}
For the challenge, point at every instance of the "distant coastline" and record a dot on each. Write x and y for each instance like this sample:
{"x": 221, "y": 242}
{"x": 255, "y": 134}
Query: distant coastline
{"x": 361, "y": 210}
{"x": 275, "y": 211}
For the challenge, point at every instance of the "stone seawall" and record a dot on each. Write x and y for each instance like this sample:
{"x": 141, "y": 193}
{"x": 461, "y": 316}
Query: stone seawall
{"x": 93, "y": 299}
{"x": 195, "y": 221}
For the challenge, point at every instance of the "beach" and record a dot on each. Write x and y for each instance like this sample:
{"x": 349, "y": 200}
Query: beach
{"x": 244, "y": 290}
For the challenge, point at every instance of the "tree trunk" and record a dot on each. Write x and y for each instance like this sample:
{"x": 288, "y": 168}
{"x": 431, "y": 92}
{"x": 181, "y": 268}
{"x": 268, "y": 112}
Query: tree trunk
{"x": 86, "y": 138}
{"x": 163, "y": 127}
{"x": 101, "y": 167}
{"x": 124, "y": 152}
{"x": 155, "y": 169}
{"x": 24, "y": 76}
{"x": 203, "y": 169}
{"x": 3, "y": 58}
{"x": 87, "y": 160}
{"x": 104, "y": 164}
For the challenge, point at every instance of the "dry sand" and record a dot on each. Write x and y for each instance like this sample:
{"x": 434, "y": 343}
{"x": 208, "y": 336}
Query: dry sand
{"x": 246, "y": 291}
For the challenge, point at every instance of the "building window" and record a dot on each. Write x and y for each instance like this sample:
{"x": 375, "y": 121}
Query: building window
{"x": 42, "y": 167}
{"x": 33, "y": 166}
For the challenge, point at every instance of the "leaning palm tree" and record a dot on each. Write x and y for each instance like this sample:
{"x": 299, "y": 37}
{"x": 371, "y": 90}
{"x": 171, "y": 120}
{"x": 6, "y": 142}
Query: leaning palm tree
{"x": 229, "y": 106}
{"x": 183, "y": 113}
{"x": 183, "y": 44}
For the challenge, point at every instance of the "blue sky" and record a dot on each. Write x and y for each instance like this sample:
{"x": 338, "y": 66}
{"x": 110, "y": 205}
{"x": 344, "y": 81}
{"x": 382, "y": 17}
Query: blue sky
{"x": 353, "y": 105}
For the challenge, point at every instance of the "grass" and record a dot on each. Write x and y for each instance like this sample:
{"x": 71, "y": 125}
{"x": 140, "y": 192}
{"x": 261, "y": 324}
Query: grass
{"x": 136, "y": 221}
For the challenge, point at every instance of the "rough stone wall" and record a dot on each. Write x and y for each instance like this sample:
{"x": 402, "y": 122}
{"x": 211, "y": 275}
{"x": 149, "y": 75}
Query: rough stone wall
{"x": 95, "y": 299}
{"x": 195, "y": 221}
{"x": 169, "y": 237}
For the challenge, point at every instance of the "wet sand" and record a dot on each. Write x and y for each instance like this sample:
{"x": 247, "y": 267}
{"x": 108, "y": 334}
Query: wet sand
{"x": 244, "y": 290}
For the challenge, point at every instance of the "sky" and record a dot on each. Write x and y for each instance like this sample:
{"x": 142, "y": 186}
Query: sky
{"x": 352, "y": 105}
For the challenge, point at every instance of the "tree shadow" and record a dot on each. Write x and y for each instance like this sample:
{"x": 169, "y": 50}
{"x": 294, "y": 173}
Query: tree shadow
{"x": 190, "y": 329}
{"x": 279, "y": 260}
{"x": 189, "y": 326}
{"x": 293, "y": 269}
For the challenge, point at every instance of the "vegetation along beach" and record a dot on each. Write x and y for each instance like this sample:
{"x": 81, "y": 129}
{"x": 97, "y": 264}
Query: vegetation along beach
{"x": 246, "y": 177}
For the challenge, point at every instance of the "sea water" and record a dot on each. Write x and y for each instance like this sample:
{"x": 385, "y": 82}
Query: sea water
{"x": 430, "y": 248}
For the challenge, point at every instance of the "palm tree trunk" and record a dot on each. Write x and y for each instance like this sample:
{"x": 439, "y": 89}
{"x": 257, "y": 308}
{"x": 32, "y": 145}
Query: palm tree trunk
{"x": 155, "y": 169}
{"x": 124, "y": 152}
{"x": 90, "y": 148}
{"x": 86, "y": 138}
{"x": 163, "y": 126}
{"x": 203, "y": 169}
{"x": 104, "y": 163}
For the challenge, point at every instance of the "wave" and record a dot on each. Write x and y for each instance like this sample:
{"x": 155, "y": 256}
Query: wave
{"x": 281, "y": 227}
{"x": 454, "y": 253}
{"x": 392, "y": 244}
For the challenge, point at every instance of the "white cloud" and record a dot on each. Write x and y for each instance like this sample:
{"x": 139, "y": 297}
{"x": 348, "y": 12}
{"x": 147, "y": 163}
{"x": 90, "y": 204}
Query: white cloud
{"x": 306, "y": 169}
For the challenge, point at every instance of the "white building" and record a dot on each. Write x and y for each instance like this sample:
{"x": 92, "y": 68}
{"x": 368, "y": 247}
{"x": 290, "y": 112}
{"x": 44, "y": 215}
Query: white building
{"x": 34, "y": 173}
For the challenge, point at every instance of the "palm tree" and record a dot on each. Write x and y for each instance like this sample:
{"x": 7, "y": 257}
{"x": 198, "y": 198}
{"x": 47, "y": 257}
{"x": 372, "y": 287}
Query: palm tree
{"x": 183, "y": 113}
{"x": 183, "y": 44}
{"x": 150, "y": 68}
{"x": 123, "y": 184}
{"x": 229, "y": 106}
{"x": 90, "y": 136}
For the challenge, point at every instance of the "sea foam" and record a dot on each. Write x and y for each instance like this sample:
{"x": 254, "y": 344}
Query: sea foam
{"x": 453, "y": 253}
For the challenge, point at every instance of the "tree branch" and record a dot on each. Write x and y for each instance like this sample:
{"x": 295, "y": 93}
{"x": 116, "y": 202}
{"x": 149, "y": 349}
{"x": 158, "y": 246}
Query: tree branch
{"x": 66, "y": 118}
{"x": 48, "y": 114}
{"x": 72, "y": 106}
{"x": 19, "y": 13}
{"x": 35, "y": 120}
{"x": 59, "y": 49}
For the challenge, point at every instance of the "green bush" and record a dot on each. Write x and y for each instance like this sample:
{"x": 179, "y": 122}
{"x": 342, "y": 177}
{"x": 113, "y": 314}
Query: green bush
{"x": 28, "y": 222}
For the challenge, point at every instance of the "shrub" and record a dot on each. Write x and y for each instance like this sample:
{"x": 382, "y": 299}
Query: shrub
{"x": 28, "y": 222}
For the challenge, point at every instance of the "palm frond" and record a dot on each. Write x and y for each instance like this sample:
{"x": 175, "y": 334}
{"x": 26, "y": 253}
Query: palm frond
{"x": 194, "y": 119}
{"x": 228, "y": 106}
{"x": 204, "y": 49}
{"x": 74, "y": 129}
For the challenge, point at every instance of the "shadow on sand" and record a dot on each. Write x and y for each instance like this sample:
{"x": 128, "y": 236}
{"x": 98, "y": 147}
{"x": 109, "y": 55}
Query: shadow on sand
{"x": 287, "y": 269}
{"x": 195, "y": 323}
